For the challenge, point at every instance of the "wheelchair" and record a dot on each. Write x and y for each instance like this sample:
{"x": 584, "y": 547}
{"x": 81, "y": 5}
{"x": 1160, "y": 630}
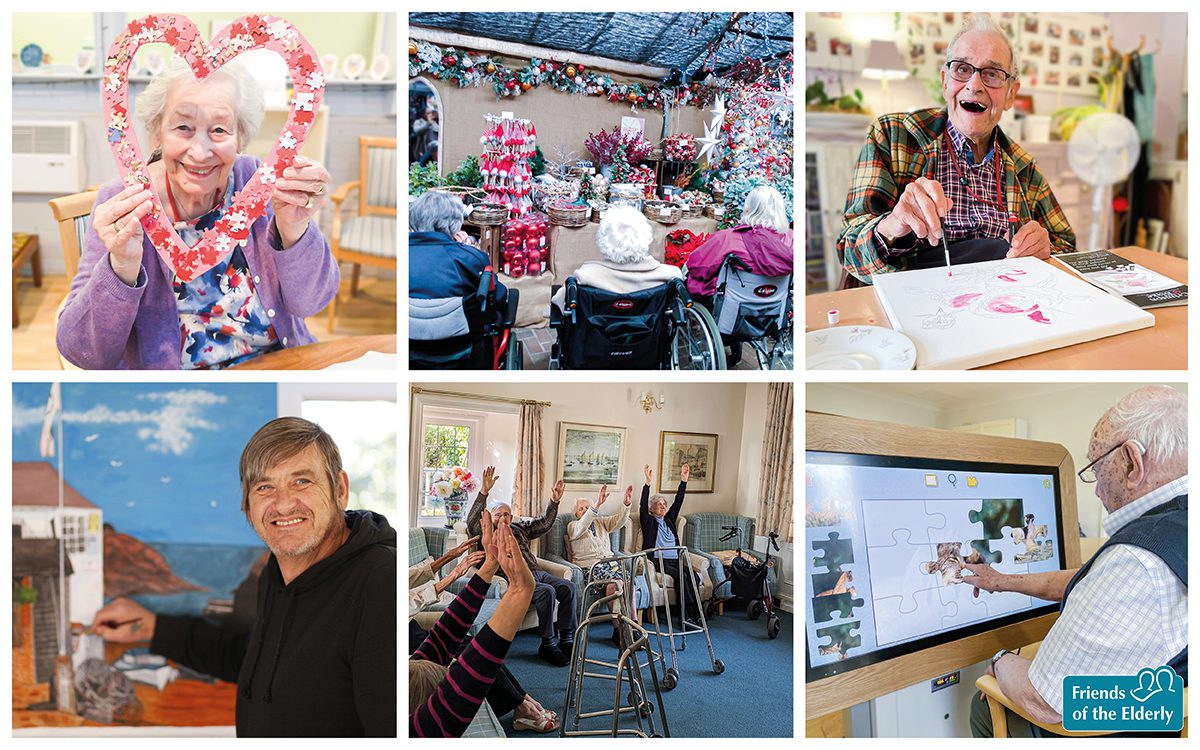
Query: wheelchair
{"x": 471, "y": 333}
{"x": 654, "y": 329}
{"x": 749, "y": 307}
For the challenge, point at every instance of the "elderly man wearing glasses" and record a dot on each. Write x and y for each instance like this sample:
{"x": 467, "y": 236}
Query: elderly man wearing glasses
{"x": 1126, "y": 608}
{"x": 950, "y": 175}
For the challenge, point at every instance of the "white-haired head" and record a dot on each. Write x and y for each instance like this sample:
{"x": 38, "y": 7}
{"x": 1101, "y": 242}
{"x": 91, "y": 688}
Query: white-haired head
{"x": 1155, "y": 416}
{"x": 249, "y": 105}
{"x": 436, "y": 211}
{"x": 764, "y": 208}
{"x": 984, "y": 23}
{"x": 624, "y": 235}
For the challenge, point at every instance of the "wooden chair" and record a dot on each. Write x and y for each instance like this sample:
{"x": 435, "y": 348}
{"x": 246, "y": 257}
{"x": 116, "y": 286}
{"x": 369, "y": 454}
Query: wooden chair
{"x": 368, "y": 237}
{"x": 997, "y": 703}
{"x": 73, "y": 214}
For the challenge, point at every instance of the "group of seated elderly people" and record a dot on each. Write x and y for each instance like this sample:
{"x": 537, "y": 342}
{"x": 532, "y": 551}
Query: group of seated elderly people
{"x": 450, "y": 675}
{"x": 443, "y": 264}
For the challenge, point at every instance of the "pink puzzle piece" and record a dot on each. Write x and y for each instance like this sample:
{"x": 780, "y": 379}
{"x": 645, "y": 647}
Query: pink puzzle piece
{"x": 243, "y": 35}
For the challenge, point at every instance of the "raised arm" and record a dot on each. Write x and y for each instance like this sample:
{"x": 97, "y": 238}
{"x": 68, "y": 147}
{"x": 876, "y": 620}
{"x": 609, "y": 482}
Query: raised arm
{"x": 685, "y": 473}
{"x": 644, "y": 507}
{"x": 542, "y": 524}
{"x": 485, "y": 486}
{"x": 1049, "y": 585}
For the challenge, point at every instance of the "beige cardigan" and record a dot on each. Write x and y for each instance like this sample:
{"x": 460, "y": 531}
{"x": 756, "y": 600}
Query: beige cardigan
{"x": 584, "y": 549}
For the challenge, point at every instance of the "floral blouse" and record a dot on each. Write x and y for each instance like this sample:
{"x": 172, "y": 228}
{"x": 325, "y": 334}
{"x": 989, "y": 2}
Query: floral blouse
{"x": 221, "y": 320}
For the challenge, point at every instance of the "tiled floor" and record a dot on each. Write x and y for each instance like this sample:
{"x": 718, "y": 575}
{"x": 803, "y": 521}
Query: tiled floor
{"x": 537, "y": 343}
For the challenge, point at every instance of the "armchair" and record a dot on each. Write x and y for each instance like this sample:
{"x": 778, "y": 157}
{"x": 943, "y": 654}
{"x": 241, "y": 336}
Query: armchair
{"x": 703, "y": 535}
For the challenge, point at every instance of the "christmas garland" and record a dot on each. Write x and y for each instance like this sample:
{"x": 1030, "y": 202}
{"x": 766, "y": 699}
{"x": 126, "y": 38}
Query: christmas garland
{"x": 475, "y": 69}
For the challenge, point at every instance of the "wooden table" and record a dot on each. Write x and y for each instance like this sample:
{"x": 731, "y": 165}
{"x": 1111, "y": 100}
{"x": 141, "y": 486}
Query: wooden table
{"x": 322, "y": 354}
{"x": 25, "y": 247}
{"x": 1161, "y": 347}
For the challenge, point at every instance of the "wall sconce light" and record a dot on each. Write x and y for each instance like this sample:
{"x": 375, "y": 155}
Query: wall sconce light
{"x": 649, "y": 403}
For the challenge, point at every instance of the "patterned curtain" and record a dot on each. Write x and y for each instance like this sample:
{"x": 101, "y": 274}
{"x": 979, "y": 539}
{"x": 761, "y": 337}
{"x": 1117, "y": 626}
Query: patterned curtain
{"x": 775, "y": 483}
{"x": 531, "y": 468}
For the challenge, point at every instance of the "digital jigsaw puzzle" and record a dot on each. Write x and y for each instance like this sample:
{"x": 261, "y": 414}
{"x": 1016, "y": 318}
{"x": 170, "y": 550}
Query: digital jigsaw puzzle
{"x": 834, "y": 596}
{"x": 916, "y": 569}
{"x": 842, "y": 638}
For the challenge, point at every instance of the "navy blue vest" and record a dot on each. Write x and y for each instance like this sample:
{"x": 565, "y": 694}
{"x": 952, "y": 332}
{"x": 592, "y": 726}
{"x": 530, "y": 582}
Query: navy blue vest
{"x": 1161, "y": 531}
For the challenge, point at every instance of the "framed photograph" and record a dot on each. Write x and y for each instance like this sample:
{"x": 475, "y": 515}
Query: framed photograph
{"x": 696, "y": 449}
{"x": 590, "y": 455}
{"x": 1024, "y": 102}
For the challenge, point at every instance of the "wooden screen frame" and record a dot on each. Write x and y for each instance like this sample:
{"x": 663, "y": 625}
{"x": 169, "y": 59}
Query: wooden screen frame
{"x": 828, "y": 432}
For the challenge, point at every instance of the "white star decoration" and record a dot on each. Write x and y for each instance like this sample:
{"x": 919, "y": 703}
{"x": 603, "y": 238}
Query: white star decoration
{"x": 712, "y": 136}
{"x": 718, "y": 109}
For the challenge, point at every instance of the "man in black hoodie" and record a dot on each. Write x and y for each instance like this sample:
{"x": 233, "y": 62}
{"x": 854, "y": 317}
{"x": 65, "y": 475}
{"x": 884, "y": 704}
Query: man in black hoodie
{"x": 321, "y": 658}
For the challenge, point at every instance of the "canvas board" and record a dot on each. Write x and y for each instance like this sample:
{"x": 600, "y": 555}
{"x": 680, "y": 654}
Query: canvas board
{"x": 996, "y": 310}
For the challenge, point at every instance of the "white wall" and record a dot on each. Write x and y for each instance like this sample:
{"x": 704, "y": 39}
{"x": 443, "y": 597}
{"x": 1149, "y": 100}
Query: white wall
{"x": 870, "y": 402}
{"x": 712, "y": 408}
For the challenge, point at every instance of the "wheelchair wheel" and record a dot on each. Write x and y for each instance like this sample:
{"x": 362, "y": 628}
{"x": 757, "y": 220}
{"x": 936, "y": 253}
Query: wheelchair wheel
{"x": 696, "y": 344}
{"x": 781, "y": 354}
{"x": 772, "y": 627}
{"x": 514, "y": 355}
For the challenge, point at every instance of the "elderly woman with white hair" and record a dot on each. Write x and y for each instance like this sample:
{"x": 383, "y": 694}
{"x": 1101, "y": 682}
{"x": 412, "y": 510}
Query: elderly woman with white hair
{"x": 626, "y": 266}
{"x": 128, "y": 310}
{"x": 763, "y": 239}
{"x": 440, "y": 263}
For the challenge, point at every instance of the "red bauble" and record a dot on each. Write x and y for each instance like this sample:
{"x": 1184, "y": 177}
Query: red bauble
{"x": 580, "y": 68}
{"x": 542, "y": 68}
{"x": 510, "y": 84}
{"x": 448, "y": 59}
{"x": 1120, "y": 204}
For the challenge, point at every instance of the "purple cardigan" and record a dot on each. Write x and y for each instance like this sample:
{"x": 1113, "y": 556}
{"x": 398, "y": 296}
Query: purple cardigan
{"x": 108, "y": 325}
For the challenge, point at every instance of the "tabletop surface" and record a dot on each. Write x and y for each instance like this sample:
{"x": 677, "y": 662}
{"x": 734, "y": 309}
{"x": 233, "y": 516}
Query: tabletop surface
{"x": 1162, "y": 346}
{"x": 322, "y": 354}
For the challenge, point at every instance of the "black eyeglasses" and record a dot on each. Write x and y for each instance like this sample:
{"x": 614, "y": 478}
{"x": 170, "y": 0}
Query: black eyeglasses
{"x": 1088, "y": 473}
{"x": 993, "y": 78}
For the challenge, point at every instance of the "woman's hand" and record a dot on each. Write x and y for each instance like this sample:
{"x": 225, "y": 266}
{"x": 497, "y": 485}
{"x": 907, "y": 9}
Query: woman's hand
{"x": 117, "y": 222}
{"x": 629, "y": 495}
{"x": 491, "y": 560}
{"x": 462, "y": 547}
{"x": 299, "y": 195}
{"x": 649, "y": 474}
{"x": 516, "y": 570}
{"x": 684, "y": 473}
{"x": 603, "y": 496}
{"x": 465, "y": 564}
{"x": 556, "y": 492}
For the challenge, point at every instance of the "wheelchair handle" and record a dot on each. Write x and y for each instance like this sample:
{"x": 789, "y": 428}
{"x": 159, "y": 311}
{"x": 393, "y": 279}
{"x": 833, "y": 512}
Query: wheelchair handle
{"x": 487, "y": 283}
{"x": 682, "y": 292}
{"x": 737, "y": 262}
{"x": 772, "y": 537}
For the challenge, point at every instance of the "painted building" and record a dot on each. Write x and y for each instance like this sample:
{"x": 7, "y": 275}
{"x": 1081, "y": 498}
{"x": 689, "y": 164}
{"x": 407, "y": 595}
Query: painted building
{"x": 79, "y": 523}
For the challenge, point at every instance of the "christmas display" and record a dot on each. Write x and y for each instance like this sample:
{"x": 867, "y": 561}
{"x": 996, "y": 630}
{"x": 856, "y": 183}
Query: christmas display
{"x": 508, "y": 143}
{"x": 525, "y": 249}
{"x": 470, "y": 69}
{"x": 680, "y": 147}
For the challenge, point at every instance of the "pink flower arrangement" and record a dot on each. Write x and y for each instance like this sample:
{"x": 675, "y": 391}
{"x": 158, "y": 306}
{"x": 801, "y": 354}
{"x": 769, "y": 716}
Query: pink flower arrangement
{"x": 448, "y": 481}
{"x": 604, "y": 146}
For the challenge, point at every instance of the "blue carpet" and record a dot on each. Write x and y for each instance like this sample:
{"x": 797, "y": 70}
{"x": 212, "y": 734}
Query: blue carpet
{"x": 752, "y": 698}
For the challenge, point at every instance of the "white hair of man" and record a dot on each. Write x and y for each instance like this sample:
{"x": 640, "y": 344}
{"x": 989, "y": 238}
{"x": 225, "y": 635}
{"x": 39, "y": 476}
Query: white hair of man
{"x": 764, "y": 208}
{"x": 624, "y": 235}
{"x": 249, "y": 106}
{"x": 436, "y": 211}
{"x": 1155, "y": 416}
{"x": 983, "y": 22}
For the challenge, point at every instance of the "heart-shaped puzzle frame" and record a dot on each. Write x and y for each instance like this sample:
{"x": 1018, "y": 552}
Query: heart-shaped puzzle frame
{"x": 243, "y": 35}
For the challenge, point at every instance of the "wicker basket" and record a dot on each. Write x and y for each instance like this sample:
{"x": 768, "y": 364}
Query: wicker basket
{"x": 692, "y": 210}
{"x": 711, "y": 210}
{"x": 569, "y": 216}
{"x": 598, "y": 209}
{"x": 664, "y": 212}
{"x": 488, "y": 214}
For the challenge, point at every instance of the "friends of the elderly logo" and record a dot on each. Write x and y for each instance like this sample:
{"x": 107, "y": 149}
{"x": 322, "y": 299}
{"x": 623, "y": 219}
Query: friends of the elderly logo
{"x": 1150, "y": 701}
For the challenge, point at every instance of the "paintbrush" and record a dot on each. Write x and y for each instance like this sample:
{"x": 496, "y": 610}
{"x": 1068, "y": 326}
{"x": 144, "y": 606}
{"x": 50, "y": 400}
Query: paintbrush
{"x": 114, "y": 625}
{"x": 946, "y": 247}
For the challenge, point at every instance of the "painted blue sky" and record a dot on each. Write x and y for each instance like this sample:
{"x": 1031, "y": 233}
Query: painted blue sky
{"x": 160, "y": 459}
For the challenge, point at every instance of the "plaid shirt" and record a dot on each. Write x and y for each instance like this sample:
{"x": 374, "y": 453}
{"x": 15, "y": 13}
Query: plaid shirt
{"x": 904, "y": 146}
{"x": 970, "y": 218}
{"x": 1129, "y": 612}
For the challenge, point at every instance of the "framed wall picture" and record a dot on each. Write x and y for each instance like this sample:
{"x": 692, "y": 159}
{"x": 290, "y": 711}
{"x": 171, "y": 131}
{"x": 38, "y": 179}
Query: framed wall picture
{"x": 590, "y": 455}
{"x": 696, "y": 449}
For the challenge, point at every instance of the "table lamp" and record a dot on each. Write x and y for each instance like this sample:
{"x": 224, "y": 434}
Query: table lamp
{"x": 884, "y": 63}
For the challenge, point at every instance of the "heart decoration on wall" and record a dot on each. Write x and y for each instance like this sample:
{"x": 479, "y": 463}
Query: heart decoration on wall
{"x": 242, "y": 35}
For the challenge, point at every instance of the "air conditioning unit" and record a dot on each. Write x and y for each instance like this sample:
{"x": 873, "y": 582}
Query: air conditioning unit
{"x": 48, "y": 157}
